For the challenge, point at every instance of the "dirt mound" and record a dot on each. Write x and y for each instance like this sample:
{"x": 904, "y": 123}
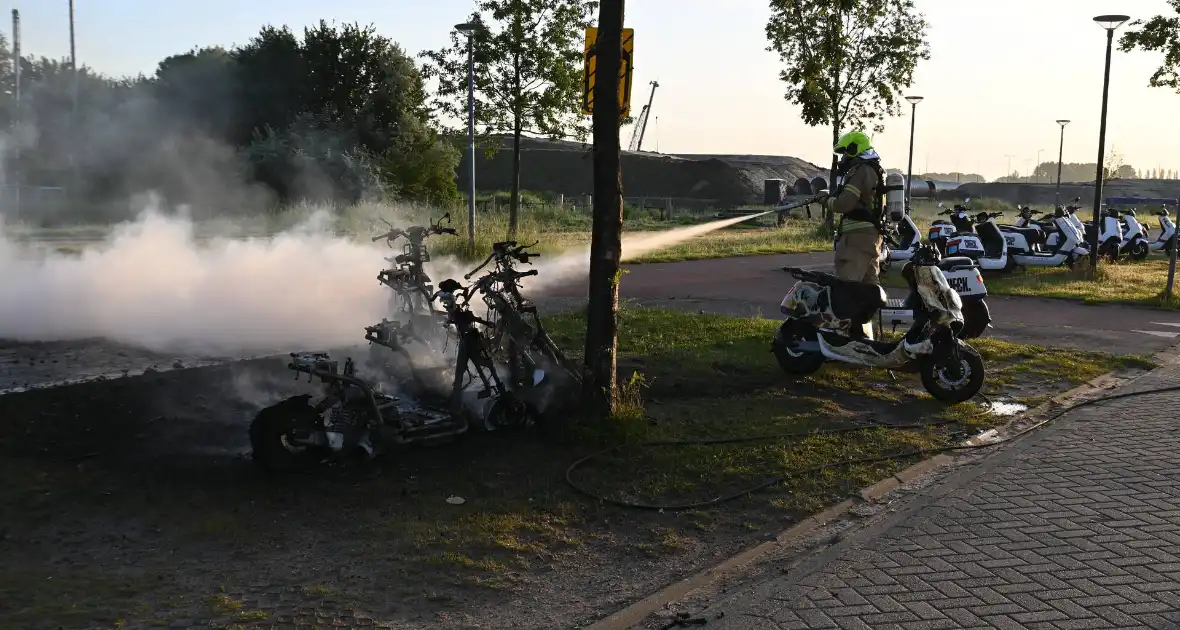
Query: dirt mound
{"x": 567, "y": 168}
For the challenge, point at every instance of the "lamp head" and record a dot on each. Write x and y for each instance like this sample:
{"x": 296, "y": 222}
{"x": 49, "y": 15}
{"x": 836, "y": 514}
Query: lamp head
{"x": 467, "y": 28}
{"x": 1111, "y": 22}
{"x": 914, "y": 100}
{"x": 1063, "y": 122}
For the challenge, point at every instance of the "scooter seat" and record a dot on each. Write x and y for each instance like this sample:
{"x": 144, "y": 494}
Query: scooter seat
{"x": 955, "y": 263}
{"x": 852, "y": 300}
{"x": 1032, "y": 235}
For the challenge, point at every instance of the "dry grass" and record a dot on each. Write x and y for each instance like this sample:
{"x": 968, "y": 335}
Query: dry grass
{"x": 1139, "y": 283}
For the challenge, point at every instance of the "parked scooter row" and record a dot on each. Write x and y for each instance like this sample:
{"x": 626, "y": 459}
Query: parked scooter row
{"x": 1053, "y": 240}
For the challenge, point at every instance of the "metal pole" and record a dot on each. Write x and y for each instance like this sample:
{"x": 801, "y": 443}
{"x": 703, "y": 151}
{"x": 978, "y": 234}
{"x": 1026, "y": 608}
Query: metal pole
{"x": 470, "y": 145}
{"x": 74, "y": 111}
{"x": 1037, "y": 169}
{"x": 1171, "y": 268}
{"x": 1060, "y": 153}
{"x": 16, "y": 119}
{"x": 909, "y": 171}
{"x": 1101, "y": 156}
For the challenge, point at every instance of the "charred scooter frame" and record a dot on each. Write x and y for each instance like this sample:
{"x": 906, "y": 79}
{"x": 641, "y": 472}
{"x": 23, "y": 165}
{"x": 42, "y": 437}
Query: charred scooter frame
{"x": 351, "y": 420}
{"x": 539, "y": 373}
{"x": 408, "y": 278}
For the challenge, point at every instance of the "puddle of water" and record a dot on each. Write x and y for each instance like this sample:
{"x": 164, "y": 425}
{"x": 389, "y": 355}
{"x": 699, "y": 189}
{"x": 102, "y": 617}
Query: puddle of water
{"x": 1002, "y": 408}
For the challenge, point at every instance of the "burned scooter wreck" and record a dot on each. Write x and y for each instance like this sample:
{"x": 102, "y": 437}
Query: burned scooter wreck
{"x": 355, "y": 418}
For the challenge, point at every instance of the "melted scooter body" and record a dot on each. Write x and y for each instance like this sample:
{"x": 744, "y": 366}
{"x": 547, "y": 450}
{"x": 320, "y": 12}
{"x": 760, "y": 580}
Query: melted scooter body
{"x": 826, "y": 320}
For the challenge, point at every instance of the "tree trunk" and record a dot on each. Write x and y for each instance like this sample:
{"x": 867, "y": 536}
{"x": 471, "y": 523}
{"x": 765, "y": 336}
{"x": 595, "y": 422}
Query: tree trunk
{"x": 605, "y": 244}
{"x": 829, "y": 218}
{"x": 514, "y": 207}
{"x": 517, "y": 114}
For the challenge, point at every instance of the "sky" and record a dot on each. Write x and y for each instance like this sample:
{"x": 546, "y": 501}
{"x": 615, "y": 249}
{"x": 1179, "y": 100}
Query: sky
{"x": 1001, "y": 72}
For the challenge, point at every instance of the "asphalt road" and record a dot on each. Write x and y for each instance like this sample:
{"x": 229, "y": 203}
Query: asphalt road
{"x": 755, "y": 285}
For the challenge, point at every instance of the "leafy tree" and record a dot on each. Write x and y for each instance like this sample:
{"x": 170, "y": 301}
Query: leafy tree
{"x": 1159, "y": 34}
{"x": 527, "y": 56}
{"x": 846, "y": 61}
{"x": 341, "y": 101}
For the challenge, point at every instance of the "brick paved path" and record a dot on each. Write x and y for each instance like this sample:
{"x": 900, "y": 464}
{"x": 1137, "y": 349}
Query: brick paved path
{"x": 1078, "y": 527}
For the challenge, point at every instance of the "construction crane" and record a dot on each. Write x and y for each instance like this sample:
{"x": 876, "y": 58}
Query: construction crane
{"x": 641, "y": 122}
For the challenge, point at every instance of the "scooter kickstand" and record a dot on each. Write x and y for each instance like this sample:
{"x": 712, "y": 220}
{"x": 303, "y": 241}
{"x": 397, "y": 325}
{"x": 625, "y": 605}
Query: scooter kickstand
{"x": 892, "y": 375}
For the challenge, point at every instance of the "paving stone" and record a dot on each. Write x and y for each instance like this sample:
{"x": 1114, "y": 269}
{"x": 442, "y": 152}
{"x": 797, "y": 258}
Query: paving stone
{"x": 1080, "y": 530}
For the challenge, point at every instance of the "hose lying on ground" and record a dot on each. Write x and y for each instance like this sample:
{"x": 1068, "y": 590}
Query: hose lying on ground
{"x": 825, "y": 466}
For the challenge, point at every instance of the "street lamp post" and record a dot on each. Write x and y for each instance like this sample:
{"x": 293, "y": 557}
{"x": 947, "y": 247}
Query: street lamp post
{"x": 468, "y": 29}
{"x": 1110, "y": 23}
{"x": 1060, "y": 153}
{"x": 909, "y": 173}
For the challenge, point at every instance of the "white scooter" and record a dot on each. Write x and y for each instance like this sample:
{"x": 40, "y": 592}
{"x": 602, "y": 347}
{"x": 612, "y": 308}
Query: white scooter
{"x": 827, "y": 318}
{"x": 999, "y": 253}
{"x": 941, "y": 230}
{"x": 1167, "y": 232}
{"x": 983, "y": 243}
{"x": 1029, "y": 234}
{"x": 1086, "y": 229}
{"x": 1113, "y": 240}
{"x": 1135, "y": 242}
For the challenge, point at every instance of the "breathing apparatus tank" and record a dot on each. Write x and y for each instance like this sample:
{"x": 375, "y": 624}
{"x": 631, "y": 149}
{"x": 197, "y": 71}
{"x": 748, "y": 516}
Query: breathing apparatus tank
{"x": 895, "y": 194}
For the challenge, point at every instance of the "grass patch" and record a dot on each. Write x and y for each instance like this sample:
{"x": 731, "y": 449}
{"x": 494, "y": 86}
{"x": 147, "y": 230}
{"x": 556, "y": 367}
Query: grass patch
{"x": 1131, "y": 283}
{"x": 712, "y": 377}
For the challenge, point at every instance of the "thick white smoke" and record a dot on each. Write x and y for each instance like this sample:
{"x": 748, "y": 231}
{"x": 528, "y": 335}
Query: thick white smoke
{"x": 152, "y": 284}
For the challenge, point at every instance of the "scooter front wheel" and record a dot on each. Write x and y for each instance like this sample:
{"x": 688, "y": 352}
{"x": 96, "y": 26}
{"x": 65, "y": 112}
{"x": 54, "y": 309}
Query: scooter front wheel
{"x": 274, "y": 436}
{"x": 955, "y": 377}
{"x": 796, "y": 361}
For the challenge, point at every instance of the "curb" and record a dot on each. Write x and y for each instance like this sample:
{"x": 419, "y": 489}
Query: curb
{"x": 628, "y": 617}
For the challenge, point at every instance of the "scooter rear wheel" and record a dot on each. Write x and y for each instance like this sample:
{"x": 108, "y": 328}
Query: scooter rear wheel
{"x": 950, "y": 383}
{"x": 1139, "y": 251}
{"x": 796, "y": 361}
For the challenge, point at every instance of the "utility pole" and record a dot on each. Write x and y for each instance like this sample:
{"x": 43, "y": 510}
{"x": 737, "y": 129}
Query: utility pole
{"x": 1060, "y": 154}
{"x": 16, "y": 119}
{"x": 1008, "y": 173}
{"x": 73, "y": 111}
{"x": 606, "y": 237}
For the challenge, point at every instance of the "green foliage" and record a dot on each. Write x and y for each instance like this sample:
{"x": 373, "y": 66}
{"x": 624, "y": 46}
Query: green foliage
{"x": 527, "y": 58}
{"x": 1159, "y": 34}
{"x": 847, "y": 61}
{"x": 337, "y": 113}
{"x": 528, "y": 69}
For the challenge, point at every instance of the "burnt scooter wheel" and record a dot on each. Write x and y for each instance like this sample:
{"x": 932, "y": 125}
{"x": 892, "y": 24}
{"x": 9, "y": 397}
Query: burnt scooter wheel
{"x": 796, "y": 361}
{"x": 273, "y": 431}
{"x": 954, "y": 377}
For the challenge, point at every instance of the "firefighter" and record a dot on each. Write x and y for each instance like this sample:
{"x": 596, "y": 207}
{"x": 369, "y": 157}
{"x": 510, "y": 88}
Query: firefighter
{"x": 859, "y": 200}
